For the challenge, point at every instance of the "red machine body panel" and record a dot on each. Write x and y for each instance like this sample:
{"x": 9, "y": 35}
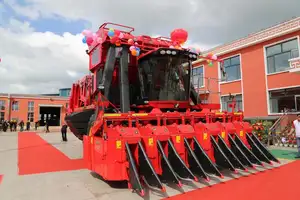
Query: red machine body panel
{"x": 139, "y": 127}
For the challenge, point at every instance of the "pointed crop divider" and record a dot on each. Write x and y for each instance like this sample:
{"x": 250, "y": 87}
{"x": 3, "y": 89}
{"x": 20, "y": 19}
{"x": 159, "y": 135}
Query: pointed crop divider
{"x": 264, "y": 149}
{"x": 238, "y": 152}
{"x": 230, "y": 155}
{"x": 203, "y": 158}
{"x": 134, "y": 178}
{"x": 221, "y": 159}
{"x": 147, "y": 171}
{"x": 250, "y": 155}
{"x": 194, "y": 163}
{"x": 182, "y": 171}
{"x": 256, "y": 150}
{"x": 168, "y": 171}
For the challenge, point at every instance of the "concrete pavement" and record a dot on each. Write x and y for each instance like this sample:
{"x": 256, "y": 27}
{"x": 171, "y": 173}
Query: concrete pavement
{"x": 70, "y": 185}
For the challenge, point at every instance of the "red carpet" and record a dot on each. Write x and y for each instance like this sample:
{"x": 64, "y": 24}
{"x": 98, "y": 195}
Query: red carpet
{"x": 276, "y": 184}
{"x": 35, "y": 155}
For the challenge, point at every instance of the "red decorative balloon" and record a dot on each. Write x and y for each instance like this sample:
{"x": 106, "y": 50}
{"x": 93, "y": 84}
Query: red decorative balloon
{"x": 114, "y": 39}
{"x": 117, "y": 32}
{"x": 179, "y": 35}
{"x": 89, "y": 41}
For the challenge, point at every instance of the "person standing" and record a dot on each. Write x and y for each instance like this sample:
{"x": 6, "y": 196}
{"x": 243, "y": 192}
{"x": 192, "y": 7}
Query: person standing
{"x": 21, "y": 124}
{"x": 296, "y": 129}
{"x": 11, "y": 125}
{"x": 14, "y": 125}
{"x": 27, "y": 126}
{"x": 4, "y": 126}
{"x": 36, "y": 125}
{"x": 64, "y": 132}
{"x": 47, "y": 126}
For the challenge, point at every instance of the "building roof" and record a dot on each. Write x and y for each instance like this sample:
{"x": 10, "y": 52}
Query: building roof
{"x": 280, "y": 29}
{"x": 36, "y": 96}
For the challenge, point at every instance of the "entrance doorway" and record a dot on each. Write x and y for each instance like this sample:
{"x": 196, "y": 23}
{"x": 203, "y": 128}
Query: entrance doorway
{"x": 50, "y": 114}
{"x": 297, "y": 102}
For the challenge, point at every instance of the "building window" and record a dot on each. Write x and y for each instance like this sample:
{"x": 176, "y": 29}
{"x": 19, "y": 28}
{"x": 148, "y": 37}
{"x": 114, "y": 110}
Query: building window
{"x": 30, "y": 106}
{"x": 15, "y": 105}
{"x": 226, "y": 101}
{"x": 2, "y": 104}
{"x": 284, "y": 100}
{"x": 278, "y": 55}
{"x": 2, "y": 114}
{"x": 197, "y": 77}
{"x": 232, "y": 68}
{"x": 30, "y": 117}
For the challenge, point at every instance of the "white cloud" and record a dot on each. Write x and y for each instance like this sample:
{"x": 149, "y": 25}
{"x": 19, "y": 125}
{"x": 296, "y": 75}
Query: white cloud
{"x": 208, "y": 22}
{"x": 39, "y": 62}
{"x": 35, "y": 62}
{"x": 72, "y": 73}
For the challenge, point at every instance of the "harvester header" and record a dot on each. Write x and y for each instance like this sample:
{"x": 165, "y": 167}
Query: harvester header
{"x": 141, "y": 119}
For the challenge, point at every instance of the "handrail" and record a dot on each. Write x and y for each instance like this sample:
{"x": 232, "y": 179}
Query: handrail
{"x": 114, "y": 24}
{"x": 274, "y": 126}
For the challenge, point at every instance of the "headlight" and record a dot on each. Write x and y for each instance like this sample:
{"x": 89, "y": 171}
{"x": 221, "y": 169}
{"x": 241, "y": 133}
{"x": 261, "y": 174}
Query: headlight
{"x": 173, "y": 52}
{"x": 162, "y": 52}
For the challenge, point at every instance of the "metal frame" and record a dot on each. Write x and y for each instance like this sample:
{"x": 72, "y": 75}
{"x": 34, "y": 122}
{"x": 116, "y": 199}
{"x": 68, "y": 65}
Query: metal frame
{"x": 297, "y": 96}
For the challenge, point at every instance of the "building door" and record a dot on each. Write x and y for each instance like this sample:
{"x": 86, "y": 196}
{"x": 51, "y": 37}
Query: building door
{"x": 297, "y": 102}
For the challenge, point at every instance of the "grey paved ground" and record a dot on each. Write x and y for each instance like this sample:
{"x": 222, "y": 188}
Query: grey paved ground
{"x": 68, "y": 185}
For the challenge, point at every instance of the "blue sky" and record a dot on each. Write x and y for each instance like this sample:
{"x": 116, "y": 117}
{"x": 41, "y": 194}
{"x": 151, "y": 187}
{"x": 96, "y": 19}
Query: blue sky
{"x": 57, "y": 26}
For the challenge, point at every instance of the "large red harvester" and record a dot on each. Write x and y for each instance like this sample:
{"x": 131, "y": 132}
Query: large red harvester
{"x": 141, "y": 119}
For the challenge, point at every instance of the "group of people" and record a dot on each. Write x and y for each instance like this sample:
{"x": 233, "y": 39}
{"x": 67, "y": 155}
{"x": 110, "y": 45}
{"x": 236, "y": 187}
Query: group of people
{"x": 13, "y": 124}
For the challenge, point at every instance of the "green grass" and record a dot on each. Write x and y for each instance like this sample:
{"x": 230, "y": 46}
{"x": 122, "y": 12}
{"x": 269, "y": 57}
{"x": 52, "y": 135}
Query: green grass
{"x": 284, "y": 154}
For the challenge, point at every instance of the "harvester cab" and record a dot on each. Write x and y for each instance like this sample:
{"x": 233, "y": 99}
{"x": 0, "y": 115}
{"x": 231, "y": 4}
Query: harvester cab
{"x": 141, "y": 119}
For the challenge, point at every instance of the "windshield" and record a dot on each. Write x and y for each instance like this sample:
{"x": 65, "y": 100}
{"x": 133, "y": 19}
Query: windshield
{"x": 163, "y": 78}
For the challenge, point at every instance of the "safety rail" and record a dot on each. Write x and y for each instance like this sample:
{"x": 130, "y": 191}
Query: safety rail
{"x": 103, "y": 26}
{"x": 275, "y": 137}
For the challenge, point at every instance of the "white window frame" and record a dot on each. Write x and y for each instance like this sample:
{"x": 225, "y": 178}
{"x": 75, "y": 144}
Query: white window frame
{"x": 3, "y": 115}
{"x": 269, "y": 103}
{"x": 202, "y": 77}
{"x": 28, "y": 118}
{"x": 30, "y": 107}
{"x": 233, "y": 94}
{"x": 219, "y": 69}
{"x": 14, "y": 107}
{"x": 265, "y": 56}
{"x": 3, "y": 105}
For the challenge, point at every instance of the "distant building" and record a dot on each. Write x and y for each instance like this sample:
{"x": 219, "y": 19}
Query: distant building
{"x": 64, "y": 92}
{"x": 28, "y": 107}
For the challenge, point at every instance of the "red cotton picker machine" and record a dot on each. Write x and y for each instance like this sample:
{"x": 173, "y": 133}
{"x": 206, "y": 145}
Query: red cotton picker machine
{"x": 141, "y": 119}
